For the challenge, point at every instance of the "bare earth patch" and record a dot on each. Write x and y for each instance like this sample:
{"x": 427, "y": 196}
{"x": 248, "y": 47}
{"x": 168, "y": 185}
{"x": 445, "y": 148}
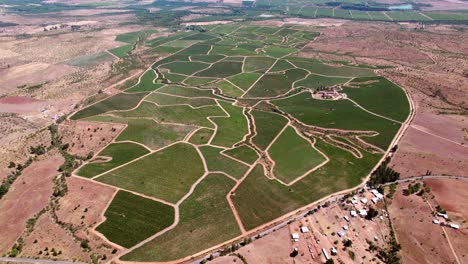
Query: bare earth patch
{"x": 420, "y": 239}
{"x": 27, "y": 196}
{"x": 84, "y": 137}
{"x": 451, "y": 195}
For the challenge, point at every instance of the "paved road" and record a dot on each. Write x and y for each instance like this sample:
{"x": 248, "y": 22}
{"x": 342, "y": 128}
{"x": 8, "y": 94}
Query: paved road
{"x": 40, "y": 261}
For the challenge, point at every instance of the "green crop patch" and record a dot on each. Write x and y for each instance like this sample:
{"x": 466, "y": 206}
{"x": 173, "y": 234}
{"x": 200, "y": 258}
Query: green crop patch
{"x": 293, "y": 156}
{"x": 244, "y": 80}
{"x": 161, "y": 174}
{"x": 279, "y": 52}
{"x": 174, "y": 77}
{"x": 187, "y": 68}
{"x": 271, "y": 199}
{"x": 231, "y": 51}
{"x": 121, "y": 51}
{"x": 166, "y": 49}
{"x": 207, "y": 58}
{"x": 207, "y": 205}
{"x": 228, "y": 89}
{"x": 119, "y": 153}
{"x": 196, "y": 49}
{"x": 223, "y": 100}
{"x": 146, "y": 83}
{"x": 253, "y": 64}
{"x": 198, "y": 81}
{"x": 187, "y": 91}
{"x": 131, "y": 219}
{"x": 317, "y": 81}
{"x": 218, "y": 162}
{"x": 380, "y": 96}
{"x": 132, "y": 37}
{"x": 200, "y": 36}
{"x": 268, "y": 126}
{"x": 168, "y": 100}
{"x": 121, "y": 101}
{"x": 341, "y": 114}
{"x": 222, "y": 69}
{"x": 202, "y": 136}
{"x": 243, "y": 153}
{"x": 282, "y": 65}
{"x": 230, "y": 129}
{"x": 181, "y": 114}
{"x": 274, "y": 84}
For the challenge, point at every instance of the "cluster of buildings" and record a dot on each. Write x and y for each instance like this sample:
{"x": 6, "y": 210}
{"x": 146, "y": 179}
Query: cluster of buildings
{"x": 445, "y": 221}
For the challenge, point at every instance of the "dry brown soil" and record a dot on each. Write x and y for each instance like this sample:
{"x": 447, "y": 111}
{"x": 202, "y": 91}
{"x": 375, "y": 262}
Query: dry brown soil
{"x": 420, "y": 239}
{"x": 27, "y": 196}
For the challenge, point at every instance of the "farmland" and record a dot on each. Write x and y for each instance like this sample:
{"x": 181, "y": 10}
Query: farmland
{"x": 229, "y": 130}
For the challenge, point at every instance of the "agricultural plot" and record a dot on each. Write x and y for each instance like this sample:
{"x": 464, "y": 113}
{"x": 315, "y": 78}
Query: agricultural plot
{"x": 293, "y": 156}
{"x": 118, "y": 153}
{"x": 121, "y": 101}
{"x": 231, "y": 115}
{"x": 146, "y": 83}
{"x": 206, "y": 205}
{"x": 121, "y": 51}
{"x": 127, "y": 219}
{"x": 160, "y": 174}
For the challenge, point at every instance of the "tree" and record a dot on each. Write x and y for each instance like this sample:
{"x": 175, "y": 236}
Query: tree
{"x": 371, "y": 213}
{"x": 347, "y": 243}
{"x": 330, "y": 261}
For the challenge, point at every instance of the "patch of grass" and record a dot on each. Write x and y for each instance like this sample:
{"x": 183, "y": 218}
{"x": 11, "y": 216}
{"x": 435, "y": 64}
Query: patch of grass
{"x": 315, "y": 81}
{"x": 207, "y": 205}
{"x": 382, "y": 97}
{"x": 244, "y": 80}
{"x": 293, "y": 156}
{"x": 161, "y": 174}
{"x": 163, "y": 100}
{"x": 274, "y": 84}
{"x": 222, "y": 69}
{"x": 187, "y": 68}
{"x": 120, "y": 153}
{"x": 406, "y": 16}
{"x": 201, "y": 137}
{"x": 230, "y": 129}
{"x": 268, "y": 125}
{"x": 341, "y": 114}
{"x": 217, "y": 162}
{"x": 121, "y": 51}
{"x": 182, "y": 114}
{"x": 127, "y": 219}
{"x": 119, "y": 101}
{"x": 253, "y": 64}
{"x": 244, "y": 153}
